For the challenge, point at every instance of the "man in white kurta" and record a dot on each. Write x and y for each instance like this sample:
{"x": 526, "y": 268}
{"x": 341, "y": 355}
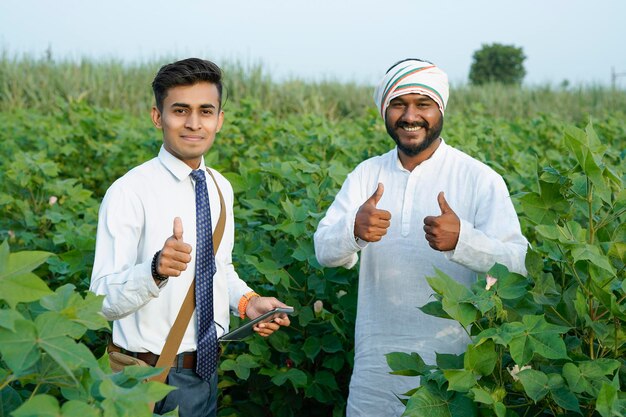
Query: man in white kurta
{"x": 391, "y": 209}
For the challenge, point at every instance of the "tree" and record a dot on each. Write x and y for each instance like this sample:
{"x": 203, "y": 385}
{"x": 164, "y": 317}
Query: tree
{"x": 498, "y": 63}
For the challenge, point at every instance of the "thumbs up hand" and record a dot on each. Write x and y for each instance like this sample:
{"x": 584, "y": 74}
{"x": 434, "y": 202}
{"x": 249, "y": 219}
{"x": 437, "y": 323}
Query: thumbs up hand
{"x": 175, "y": 254}
{"x": 442, "y": 232}
{"x": 371, "y": 224}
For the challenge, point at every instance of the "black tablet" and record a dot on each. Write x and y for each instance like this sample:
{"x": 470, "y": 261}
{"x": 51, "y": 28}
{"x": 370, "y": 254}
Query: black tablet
{"x": 247, "y": 329}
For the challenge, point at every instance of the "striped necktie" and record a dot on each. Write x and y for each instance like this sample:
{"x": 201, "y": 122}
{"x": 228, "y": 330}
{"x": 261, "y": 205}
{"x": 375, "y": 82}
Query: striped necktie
{"x": 205, "y": 269}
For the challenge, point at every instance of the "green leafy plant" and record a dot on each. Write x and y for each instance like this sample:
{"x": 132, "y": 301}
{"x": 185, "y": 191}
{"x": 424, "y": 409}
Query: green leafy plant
{"x": 551, "y": 343}
{"x": 497, "y": 63}
{"x": 44, "y": 368}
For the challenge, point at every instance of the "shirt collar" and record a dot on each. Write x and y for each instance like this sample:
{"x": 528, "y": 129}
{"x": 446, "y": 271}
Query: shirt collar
{"x": 174, "y": 165}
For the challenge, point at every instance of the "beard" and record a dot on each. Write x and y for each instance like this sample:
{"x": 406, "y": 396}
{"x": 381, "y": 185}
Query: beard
{"x": 432, "y": 134}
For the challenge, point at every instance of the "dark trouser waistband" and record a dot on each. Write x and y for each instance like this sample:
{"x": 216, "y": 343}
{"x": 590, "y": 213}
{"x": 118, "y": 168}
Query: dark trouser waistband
{"x": 186, "y": 360}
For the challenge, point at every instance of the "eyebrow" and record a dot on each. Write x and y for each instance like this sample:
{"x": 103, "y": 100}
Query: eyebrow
{"x": 187, "y": 106}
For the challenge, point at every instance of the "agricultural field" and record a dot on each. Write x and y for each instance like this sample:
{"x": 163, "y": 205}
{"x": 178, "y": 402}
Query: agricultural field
{"x": 69, "y": 130}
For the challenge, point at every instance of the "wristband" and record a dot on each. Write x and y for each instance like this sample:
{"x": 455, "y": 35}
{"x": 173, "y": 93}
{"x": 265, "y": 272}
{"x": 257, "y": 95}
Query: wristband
{"x": 243, "y": 303}
{"x": 153, "y": 268}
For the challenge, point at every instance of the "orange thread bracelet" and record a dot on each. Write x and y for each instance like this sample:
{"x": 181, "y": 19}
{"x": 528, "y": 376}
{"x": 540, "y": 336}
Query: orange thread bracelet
{"x": 243, "y": 303}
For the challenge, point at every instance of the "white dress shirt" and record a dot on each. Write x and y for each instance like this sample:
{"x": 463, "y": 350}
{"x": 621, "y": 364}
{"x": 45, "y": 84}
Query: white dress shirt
{"x": 135, "y": 219}
{"x": 392, "y": 282}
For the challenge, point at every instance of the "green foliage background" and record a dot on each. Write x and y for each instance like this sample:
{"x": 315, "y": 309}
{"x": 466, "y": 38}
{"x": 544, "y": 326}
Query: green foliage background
{"x": 497, "y": 63}
{"x": 69, "y": 130}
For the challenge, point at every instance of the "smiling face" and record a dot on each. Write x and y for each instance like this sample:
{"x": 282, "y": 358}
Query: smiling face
{"x": 414, "y": 122}
{"x": 190, "y": 119}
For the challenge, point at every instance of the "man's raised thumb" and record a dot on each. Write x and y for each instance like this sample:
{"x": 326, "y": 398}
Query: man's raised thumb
{"x": 178, "y": 228}
{"x": 378, "y": 194}
{"x": 443, "y": 204}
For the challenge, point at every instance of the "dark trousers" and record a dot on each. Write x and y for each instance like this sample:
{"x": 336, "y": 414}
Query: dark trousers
{"x": 193, "y": 396}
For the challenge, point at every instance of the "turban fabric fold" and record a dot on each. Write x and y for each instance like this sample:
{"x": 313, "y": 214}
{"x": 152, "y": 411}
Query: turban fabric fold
{"x": 412, "y": 77}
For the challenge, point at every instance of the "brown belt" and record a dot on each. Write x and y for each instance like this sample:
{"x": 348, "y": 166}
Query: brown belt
{"x": 188, "y": 358}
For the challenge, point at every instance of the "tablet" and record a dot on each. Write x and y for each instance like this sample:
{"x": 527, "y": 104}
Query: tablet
{"x": 247, "y": 329}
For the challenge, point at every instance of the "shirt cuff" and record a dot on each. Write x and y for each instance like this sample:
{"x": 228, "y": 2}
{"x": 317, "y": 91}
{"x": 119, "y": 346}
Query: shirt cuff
{"x": 145, "y": 270}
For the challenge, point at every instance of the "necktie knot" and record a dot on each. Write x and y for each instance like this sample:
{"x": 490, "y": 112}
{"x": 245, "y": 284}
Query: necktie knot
{"x": 198, "y": 175}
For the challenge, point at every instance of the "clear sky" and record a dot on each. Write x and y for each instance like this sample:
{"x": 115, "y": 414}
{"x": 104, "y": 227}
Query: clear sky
{"x": 348, "y": 40}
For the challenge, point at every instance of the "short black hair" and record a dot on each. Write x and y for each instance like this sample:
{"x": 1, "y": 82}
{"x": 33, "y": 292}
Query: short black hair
{"x": 185, "y": 72}
{"x": 408, "y": 59}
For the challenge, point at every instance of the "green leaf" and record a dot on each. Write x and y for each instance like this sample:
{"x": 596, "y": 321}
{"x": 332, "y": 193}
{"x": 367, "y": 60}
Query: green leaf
{"x": 20, "y": 263}
{"x": 334, "y": 362}
{"x": 607, "y": 403}
{"x": 19, "y": 348}
{"x": 133, "y": 401}
{"x": 589, "y": 376}
{"x": 325, "y": 378}
{"x": 435, "y": 308}
{"x": 4, "y": 256}
{"x": 8, "y": 318}
{"x": 566, "y": 399}
{"x": 586, "y": 252}
{"x": 482, "y": 396}
{"x": 545, "y": 291}
{"x": 51, "y": 337}
{"x": 311, "y": 347}
{"x": 22, "y": 288}
{"x": 459, "y": 380}
{"x": 79, "y": 409}
{"x": 9, "y": 400}
{"x": 535, "y": 336}
{"x": 449, "y": 361}
{"x": 85, "y": 312}
{"x": 297, "y": 378}
{"x": 39, "y": 406}
{"x": 511, "y": 286}
{"x": 455, "y": 298}
{"x": 481, "y": 359}
{"x": 407, "y": 364}
{"x": 500, "y": 409}
{"x": 331, "y": 343}
{"x": 534, "y": 264}
{"x": 429, "y": 401}
{"x": 535, "y": 383}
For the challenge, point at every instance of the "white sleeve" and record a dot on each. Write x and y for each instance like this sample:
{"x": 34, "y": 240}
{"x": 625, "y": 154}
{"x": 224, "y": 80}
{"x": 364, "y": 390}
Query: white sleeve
{"x": 334, "y": 239}
{"x": 126, "y": 284}
{"x": 495, "y": 236}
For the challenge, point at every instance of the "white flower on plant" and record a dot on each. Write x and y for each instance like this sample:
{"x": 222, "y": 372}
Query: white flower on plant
{"x": 516, "y": 370}
{"x": 53, "y": 200}
{"x": 491, "y": 281}
{"x": 11, "y": 234}
{"x": 341, "y": 293}
{"x": 318, "y": 306}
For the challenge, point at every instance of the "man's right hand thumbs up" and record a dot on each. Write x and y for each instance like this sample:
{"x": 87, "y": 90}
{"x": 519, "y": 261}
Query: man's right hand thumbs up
{"x": 371, "y": 224}
{"x": 175, "y": 254}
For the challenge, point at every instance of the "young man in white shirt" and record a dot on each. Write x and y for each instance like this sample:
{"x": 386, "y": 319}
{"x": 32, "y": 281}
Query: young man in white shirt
{"x": 147, "y": 242}
{"x": 421, "y": 206}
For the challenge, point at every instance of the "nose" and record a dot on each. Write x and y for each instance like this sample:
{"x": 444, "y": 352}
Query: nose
{"x": 411, "y": 114}
{"x": 193, "y": 121}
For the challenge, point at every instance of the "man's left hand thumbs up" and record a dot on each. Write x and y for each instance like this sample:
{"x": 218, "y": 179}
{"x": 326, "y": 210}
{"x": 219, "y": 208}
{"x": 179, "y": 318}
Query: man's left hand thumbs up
{"x": 442, "y": 232}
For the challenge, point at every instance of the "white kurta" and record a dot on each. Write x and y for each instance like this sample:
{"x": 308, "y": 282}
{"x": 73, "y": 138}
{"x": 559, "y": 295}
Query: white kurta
{"x": 392, "y": 282}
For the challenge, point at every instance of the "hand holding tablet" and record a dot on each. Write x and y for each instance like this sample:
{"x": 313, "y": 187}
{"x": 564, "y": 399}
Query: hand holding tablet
{"x": 247, "y": 329}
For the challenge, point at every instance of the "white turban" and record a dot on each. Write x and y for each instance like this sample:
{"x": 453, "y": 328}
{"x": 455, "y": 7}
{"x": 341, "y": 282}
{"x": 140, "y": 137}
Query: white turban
{"x": 412, "y": 77}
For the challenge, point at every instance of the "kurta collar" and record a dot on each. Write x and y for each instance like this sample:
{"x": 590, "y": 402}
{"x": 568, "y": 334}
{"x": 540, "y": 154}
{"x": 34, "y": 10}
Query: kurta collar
{"x": 434, "y": 158}
{"x": 174, "y": 165}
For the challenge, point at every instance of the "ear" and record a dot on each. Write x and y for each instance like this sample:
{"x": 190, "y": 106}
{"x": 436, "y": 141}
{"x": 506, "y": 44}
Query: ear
{"x": 220, "y": 120}
{"x": 156, "y": 117}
